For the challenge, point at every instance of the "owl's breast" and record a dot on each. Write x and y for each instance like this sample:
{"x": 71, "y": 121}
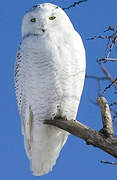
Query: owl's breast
{"x": 50, "y": 76}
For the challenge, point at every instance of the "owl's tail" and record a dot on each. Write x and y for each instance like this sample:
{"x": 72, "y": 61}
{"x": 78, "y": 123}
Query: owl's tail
{"x": 46, "y": 143}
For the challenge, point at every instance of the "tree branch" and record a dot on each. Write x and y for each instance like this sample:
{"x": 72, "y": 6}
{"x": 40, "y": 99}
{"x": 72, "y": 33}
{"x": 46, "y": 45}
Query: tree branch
{"x": 112, "y": 40}
{"x": 106, "y": 116}
{"x": 92, "y": 137}
{"x": 107, "y": 59}
{"x": 96, "y": 78}
{"x": 74, "y": 4}
{"x": 108, "y": 75}
{"x": 107, "y": 162}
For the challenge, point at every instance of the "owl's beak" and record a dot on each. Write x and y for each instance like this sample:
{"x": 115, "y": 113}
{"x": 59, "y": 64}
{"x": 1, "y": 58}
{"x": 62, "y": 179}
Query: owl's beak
{"x": 43, "y": 30}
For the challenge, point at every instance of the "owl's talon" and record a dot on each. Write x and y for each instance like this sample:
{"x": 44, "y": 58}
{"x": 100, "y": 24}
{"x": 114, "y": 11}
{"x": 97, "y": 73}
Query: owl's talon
{"x": 57, "y": 117}
{"x": 64, "y": 118}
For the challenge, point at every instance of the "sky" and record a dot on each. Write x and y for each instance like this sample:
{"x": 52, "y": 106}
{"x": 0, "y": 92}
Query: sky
{"x": 77, "y": 160}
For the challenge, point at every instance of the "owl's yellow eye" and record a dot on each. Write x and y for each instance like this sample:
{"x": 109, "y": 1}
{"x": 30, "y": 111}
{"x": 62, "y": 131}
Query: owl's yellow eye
{"x": 33, "y": 20}
{"x": 52, "y": 17}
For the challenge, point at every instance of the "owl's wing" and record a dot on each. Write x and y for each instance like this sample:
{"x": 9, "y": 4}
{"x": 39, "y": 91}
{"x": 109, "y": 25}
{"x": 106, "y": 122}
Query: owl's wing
{"x": 24, "y": 109}
{"x": 19, "y": 89}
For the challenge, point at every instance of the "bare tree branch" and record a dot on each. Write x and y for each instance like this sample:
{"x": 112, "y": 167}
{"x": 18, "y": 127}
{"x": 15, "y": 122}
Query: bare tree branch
{"x": 111, "y": 43}
{"x": 108, "y": 75}
{"x": 114, "y": 103}
{"x": 92, "y": 137}
{"x": 74, "y": 4}
{"x": 98, "y": 37}
{"x": 96, "y": 77}
{"x": 107, "y": 162}
{"x": 106, "y": 59}
{"x": 108, "y": 87}
{"x": 106, "y": 116}
{"x": 112, "y": 39}
{"x": 112, "y": 28}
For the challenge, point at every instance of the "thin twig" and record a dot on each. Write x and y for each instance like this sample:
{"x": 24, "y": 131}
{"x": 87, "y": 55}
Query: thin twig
{"x": 108, "y": 87}
{"x": 112, "y": 39}
{"x": 74, "y": 4}
{"x": 106, "y": 59}
{"x": 96, "y": 77}
{"x": 111, "y": 28}
{"x": 114, "y": 114}
{"x": 111, "y": 44}
{"x": 98, "y": 37}
{"x": 99, "y": 88}
{"x": 108, "y": 75}
{"x": 107, "y": 162}
{"x": 114, "y": 103}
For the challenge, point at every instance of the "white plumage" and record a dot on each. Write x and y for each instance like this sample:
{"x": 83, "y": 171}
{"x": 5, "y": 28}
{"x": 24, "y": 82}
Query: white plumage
{"x": 49, "y": 78}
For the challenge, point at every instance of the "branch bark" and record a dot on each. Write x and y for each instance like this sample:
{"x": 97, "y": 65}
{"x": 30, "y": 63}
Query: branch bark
{"x": 74, "y": 4}
{"x": 106, "y": 117}
{"x": 96, "y": 138}
{"x": 108, "y": 59}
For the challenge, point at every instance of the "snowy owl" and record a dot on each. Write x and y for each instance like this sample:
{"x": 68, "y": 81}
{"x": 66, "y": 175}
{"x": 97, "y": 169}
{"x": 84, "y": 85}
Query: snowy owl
{"x": 49, "y": 78}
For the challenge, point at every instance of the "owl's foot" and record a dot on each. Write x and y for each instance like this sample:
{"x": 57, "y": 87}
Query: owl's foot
{"x": 58, "y": 115}
{"x": 64, "y": 118}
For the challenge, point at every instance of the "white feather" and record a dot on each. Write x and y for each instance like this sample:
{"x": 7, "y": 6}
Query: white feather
{"x": 49, "y": 78}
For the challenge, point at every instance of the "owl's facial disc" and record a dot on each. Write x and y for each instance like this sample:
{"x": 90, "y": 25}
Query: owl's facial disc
{"x": 42, "y": 22}
{"x": 35, "y": 20}
{"x": 44, "y": 18}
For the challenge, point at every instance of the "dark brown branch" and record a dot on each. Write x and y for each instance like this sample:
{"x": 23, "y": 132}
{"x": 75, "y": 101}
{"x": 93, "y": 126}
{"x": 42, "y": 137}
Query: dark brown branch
{"x": 92, "y": 137}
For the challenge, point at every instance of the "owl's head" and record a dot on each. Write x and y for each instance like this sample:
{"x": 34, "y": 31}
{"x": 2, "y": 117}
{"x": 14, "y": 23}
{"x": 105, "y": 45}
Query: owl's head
{"x": 45, "y": 17}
